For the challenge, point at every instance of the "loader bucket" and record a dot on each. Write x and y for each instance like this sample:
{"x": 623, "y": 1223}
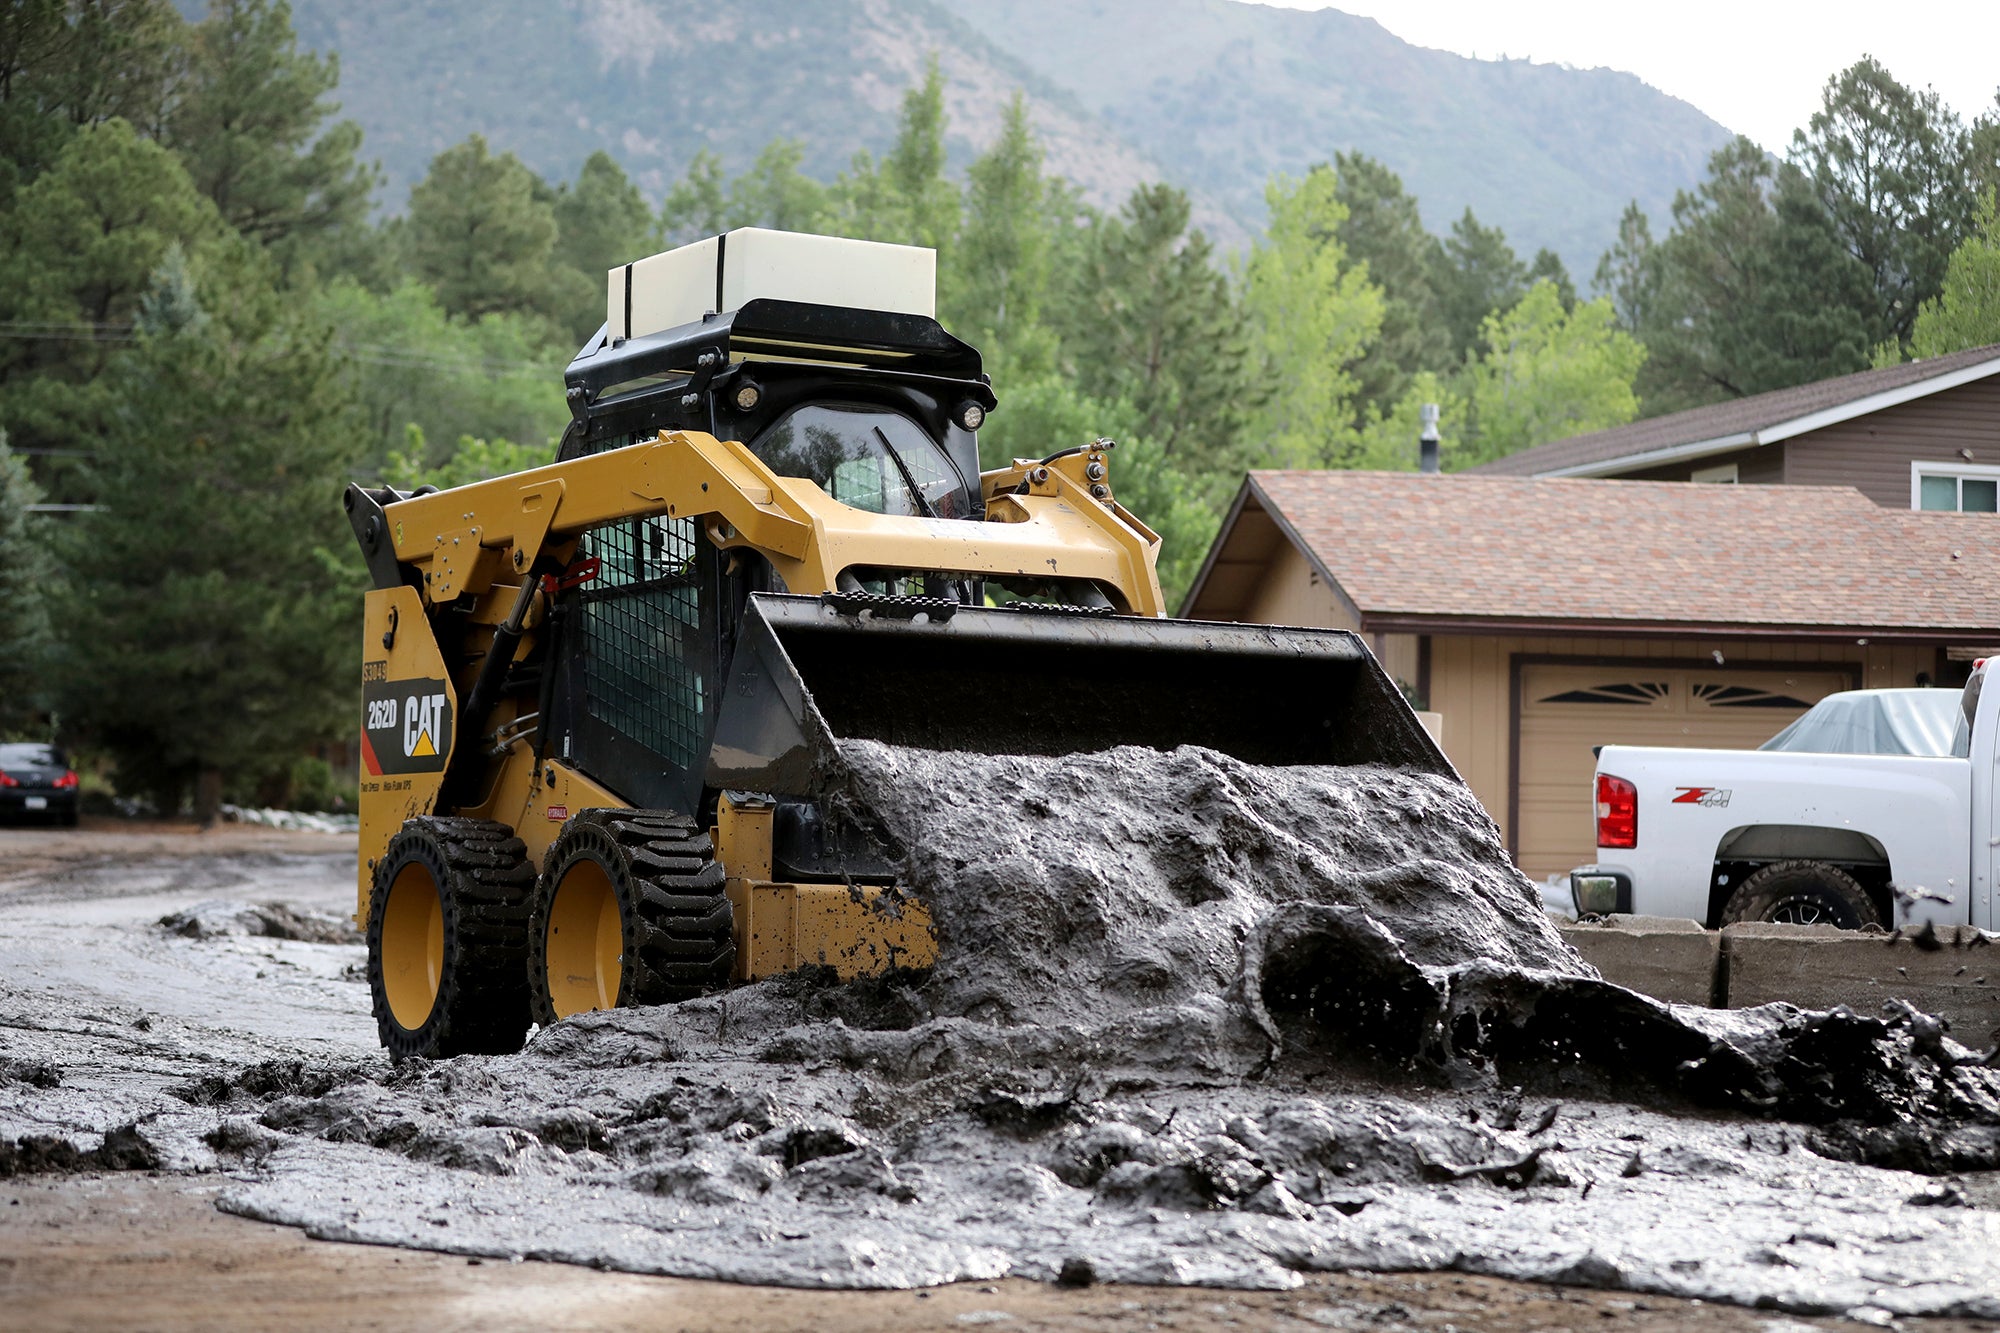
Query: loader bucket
{"x": 807, "y": 675}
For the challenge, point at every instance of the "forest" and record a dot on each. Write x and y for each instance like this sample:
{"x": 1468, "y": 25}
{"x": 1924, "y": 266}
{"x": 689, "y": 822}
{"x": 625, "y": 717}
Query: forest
{"x": 211, "y": 320}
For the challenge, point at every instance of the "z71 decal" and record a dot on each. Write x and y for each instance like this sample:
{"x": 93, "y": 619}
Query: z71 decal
{"x": 1714, "y": 797}
{"x": 405, "y": 726}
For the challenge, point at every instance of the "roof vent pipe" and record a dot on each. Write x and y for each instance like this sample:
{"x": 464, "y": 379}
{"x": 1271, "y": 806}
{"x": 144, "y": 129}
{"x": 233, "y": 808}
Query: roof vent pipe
{"x": 1427, "y": 443}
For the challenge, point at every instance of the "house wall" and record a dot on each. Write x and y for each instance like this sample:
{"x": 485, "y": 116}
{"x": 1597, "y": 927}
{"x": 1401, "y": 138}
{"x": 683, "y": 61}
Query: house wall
{"x": 1291, "y": 592}
{"x": 1760, "y": 465}
{"x": 1472, "y": 680}
{"x": 1874, "y": 452}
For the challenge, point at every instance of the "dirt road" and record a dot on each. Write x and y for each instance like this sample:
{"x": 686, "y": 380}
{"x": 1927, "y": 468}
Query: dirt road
{"x": 100, "y": 1007}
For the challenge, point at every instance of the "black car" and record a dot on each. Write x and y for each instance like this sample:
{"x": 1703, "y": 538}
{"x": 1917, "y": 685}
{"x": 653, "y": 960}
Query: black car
{"x": 36, "y": 782}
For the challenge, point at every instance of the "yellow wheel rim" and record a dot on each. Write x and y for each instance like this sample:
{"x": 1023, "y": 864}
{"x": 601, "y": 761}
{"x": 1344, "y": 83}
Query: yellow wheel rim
{"x": 412, "y": 945}
{"x": 586, "y": 941}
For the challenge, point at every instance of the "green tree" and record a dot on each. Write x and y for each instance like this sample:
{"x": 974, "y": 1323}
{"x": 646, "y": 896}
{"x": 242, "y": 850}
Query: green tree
{"x": 1891, "y": 167}
{"x": 1315, "y": 314}
{"x": 252, "y": 129}
{"x": 698, "y": 205}
{"x": 1547, "y": 374}
{"x": 79, "y": 251}
{"x": 1547, "y": 266}
{"x": 217, "y": 562}
{"x": 65, "y": 64}
{"x": 1480, "y": 274}
{"x": 1966, "y": 312}
{"x": 473, "y": 460}
{"x": 1389, "y": 437}
{"x": 775, "y": 193}
{"x": 1754, "y": 290}
{"x": 1384, "y": 232}
{"x": 906, "y": 197}
{"x": 24, "y": 577}
{"x": 1147, "y": 317}
{"x": 1044, "y": 413}
{"x": 999, "y": 267}
{"x": 1627, "y": 273}
{"x": 406, "y": 363}
{"x": 602, "y": 221}
{"x": 482, "y": 237}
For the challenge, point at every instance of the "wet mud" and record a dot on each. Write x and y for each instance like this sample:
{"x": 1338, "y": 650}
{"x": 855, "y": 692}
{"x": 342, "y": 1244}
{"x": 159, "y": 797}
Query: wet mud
{"x": 1193, "y": 1022}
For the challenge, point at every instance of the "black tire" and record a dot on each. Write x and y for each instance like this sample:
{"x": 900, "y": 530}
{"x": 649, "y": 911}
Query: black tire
{"x": 1805, "y": 892}
{"x": 675, "y": 937}
{"x": 484, "y": 895}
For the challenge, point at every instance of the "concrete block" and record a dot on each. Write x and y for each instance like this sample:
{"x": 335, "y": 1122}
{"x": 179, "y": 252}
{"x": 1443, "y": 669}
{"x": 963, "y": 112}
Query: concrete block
{"x": 1953, "y": 973}
{"x": 1668, "y": 958}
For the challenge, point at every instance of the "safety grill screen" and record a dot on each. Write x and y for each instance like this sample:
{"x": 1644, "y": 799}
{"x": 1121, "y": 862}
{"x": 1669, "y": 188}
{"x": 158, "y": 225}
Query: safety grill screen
{"x": 641, "y": 641}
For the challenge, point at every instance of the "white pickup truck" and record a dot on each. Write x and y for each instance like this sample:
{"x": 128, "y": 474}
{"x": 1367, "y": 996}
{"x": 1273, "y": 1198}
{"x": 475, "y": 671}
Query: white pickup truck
{"x": 1807, "y": 829}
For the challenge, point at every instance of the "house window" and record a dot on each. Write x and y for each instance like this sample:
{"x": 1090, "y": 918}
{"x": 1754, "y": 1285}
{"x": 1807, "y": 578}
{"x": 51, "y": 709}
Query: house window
{"x": 1722, "y": 472}
{"x": 1955, "y": 488}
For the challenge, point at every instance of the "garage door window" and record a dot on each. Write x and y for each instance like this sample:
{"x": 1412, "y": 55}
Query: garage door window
{"x": 1617, "y": 692}
{"x": 1567, "y": 709}
{"x": 1744, "y": 696}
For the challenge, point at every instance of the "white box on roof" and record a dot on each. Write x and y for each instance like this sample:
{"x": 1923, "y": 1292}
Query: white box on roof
{"x": 723, "y": 272}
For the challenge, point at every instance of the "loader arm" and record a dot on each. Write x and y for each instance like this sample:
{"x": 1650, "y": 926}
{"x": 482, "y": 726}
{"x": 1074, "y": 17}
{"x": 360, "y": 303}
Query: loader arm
{"x": 465, "y": 541}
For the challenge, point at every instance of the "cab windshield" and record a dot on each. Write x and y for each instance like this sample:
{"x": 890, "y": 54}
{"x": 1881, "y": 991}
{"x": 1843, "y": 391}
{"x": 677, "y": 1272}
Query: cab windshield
{"x": 869, "y": 458}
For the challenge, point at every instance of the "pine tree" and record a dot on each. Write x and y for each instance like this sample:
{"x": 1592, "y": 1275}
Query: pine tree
{"x": 1753, "y": 290}
{"x": 1479, "y": 274}
{"x": 1626, "y": 273}
{"x": 24, "y": 578}
{"x": 79, "y": 251}
{"x": 601, "y": 222}
{"x": 1384, "y": 231}
{"x": 481, "y": 234}
{"x": 65, "y": 65}
{"x": 252, "y": 130}
{"x": 1892, "y": 169}
{"x": 211, "y": 596}
{"x": 1149, "y": 319}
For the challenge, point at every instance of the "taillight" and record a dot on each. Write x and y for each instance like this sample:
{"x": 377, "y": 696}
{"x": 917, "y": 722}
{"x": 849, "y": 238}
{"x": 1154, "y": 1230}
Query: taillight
{"x": 1617, "y": 812}
{"x": 6, "y": 781}
{"x": 66, "y": 781}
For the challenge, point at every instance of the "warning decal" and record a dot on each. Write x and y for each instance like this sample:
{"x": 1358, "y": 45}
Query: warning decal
{"x": 405, "y": 726}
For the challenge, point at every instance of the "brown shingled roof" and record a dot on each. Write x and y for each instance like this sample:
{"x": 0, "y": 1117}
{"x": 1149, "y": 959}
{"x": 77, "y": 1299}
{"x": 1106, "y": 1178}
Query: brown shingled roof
{"x": 1734, "y": 423}
{"x": 1405, "y": 546}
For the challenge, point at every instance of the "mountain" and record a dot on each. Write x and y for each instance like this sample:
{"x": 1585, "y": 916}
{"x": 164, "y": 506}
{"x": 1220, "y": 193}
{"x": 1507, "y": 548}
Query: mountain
{"x": 1213, "y": 95}
{"x": 1223, "y": 94}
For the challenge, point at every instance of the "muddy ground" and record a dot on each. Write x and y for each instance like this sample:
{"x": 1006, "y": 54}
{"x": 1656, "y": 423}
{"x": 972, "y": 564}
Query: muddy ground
{"x": 109, "y": 1008}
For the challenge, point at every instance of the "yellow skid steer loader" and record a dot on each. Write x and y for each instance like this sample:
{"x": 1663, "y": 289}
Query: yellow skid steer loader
{"x": 603, "y": 700}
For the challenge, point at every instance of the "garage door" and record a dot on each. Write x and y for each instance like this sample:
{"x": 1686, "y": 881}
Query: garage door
{"x": 1567, "y": 710}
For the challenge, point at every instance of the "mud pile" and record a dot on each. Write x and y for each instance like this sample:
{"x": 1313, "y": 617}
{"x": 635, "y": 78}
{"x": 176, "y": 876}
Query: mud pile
{"x": 1193, "y": 1022}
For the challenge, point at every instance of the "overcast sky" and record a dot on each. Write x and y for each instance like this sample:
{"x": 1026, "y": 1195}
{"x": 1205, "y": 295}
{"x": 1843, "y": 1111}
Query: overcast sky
{"x": 1755, "y": 65}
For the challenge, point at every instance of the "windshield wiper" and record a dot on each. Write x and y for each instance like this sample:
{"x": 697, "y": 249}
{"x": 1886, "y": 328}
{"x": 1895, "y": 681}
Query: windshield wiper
{"x": 903, "y": 470}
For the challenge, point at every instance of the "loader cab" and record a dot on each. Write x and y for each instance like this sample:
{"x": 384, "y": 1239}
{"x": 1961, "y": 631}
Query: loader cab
{"x": 821, "y": 354}
{"x": 877, "y": 405}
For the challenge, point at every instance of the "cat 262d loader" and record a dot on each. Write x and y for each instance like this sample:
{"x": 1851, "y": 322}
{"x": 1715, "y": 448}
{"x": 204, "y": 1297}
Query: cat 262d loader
{"x": 604, "y": 700}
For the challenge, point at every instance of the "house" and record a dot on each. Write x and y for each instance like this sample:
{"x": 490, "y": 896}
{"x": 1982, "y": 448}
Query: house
{"x": 1544, "y": 616}
{"x": 1925, "y": 435}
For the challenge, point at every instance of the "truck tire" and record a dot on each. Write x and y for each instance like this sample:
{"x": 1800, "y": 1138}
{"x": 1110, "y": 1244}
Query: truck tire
{"x": 1803, "y": 892}
{"x": 630, "y": 910}
{"x": 447, "y": 939}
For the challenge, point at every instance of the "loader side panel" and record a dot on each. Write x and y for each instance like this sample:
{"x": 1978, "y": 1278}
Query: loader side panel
{"x": 409, "y": 712}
